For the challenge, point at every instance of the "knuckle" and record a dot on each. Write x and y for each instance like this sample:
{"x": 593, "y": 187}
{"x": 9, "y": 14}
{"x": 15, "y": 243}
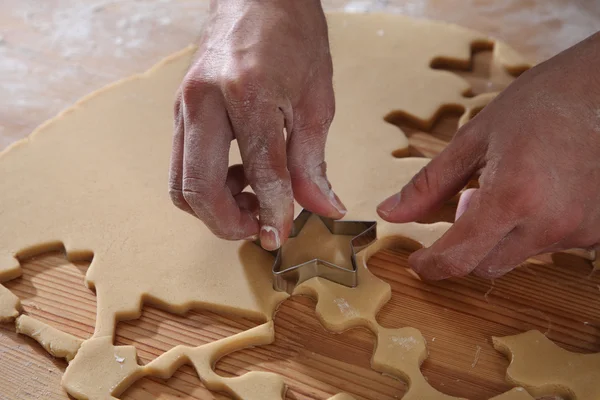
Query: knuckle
{"x": 240, "y": 86}
{"x": 198, "y": 191}
{"x": 315, "y": 122}
{"x": 559, "y": 226}
{"x": 193, "y": 89}
{"x": 177, "y": 198}
{"x": 273, "y": 179}
{"x": 448, "y": 264}
{"x": 520, "y": 198}
{"x": 326, "y": 114}
{"x": 527, "y": 202}
{"x": 222, "y": 232}
{"x": 265, "y": 170}
{"x": 424, "y": 182}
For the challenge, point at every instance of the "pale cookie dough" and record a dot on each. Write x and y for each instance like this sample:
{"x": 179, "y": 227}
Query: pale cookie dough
{"x": 10, "y": 305}
{"x": 545, "y": 369}
{"x": 117, "y": 368}
{"x": 56, "y": 342}
{"x": 95, "y": 179}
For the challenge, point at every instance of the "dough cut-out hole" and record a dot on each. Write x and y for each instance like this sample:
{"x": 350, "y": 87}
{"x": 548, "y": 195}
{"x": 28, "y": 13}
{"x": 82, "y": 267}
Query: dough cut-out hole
{"x": 483, "y": 74}
{"x": 474, "y": 112}
{"x": 411, "y": 151}
{"x": 463, "y": 313}
{"x": 194, "y": 328}
{"x": 568, "y": 260}
{"x": 518, "y": 71}
{"x": 426, "y": 138}
{"x": 24, "y": 361}
{"x": 310, "y": 352}
{"x": 184, "y": 384}
{"x": 52, "y": 289}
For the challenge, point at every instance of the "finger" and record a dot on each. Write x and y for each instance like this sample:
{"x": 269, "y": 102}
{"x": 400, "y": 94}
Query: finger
{"x": 463, "y": 202}
{"x": 511, "y": 251}
{"x": 262, "y": 146}
{"x": 438, "y": 181}
{"x": 176, "y": 165}
{"x": 236, "y": 180}
{"x": 205, "y": 166}
{"x": 306, "y": 155}
{"x": 248, "y": 201}
{"x": 462, "y": 248}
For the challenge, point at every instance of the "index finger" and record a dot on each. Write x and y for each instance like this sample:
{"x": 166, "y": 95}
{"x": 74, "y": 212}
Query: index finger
{"x": 460, "y": 250}
{"x": 262, "y": 146}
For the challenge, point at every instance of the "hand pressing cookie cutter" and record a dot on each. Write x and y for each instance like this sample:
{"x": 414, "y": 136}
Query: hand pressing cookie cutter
{"x": 364, "y": 232}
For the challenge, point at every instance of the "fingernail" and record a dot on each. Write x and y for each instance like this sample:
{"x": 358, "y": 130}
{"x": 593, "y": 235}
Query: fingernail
{"x": 388, "y": 205}
{"x": 415, "y": 261}
{"x": 269, "y": 238}
{"x": 323, "y": 185}
{"x": 337, "y": 203}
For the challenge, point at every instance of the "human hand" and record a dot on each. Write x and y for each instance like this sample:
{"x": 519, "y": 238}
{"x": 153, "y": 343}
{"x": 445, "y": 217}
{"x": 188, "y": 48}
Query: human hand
{"x": 262, "y": 66}
{"x": 536, "y": 147}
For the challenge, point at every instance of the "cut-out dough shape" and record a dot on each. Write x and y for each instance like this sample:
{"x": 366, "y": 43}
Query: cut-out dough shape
{"x": 94, "y": 179}
{"x": 54, "y": 341}
{"x": 546, "y": 369}
{"x": 9, "y": 305}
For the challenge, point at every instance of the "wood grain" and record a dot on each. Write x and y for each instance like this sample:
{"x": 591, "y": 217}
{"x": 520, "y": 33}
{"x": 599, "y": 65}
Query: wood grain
{"x": 456, "y": 316}
{"x": 558, "y": 295}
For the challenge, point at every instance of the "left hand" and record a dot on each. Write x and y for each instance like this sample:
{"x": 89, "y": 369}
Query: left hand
{"x": 536, "y": 147}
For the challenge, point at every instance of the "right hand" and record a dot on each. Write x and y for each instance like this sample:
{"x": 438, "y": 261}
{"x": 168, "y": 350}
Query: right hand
{"x": 262, "y": 66}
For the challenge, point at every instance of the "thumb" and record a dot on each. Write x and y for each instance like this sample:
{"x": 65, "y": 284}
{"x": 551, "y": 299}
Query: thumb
{"x": 438, "y": 181}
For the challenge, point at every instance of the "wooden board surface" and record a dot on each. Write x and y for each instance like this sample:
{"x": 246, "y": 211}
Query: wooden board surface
{"x": 559, "y": 296}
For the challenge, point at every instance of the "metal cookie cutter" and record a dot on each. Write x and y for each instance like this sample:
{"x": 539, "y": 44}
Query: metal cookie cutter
{"x": 364, "y": 232}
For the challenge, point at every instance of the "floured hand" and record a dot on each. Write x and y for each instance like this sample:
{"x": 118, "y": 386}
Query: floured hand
{"x": 262, "y": 66}
{"x": 536, "y": 147}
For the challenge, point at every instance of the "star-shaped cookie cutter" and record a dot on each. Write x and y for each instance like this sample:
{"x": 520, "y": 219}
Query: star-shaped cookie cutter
{"x": 286, "y": 280}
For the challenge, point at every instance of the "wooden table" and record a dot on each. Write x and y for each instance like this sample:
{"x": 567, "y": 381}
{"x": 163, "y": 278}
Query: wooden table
{"x": 53, "y": 52}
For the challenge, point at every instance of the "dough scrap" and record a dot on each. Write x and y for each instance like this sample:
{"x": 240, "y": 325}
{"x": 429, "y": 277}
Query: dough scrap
{"x": 120, "y": 368}
{"x": 54, "y": 341}
{"x": 10, "y": 305}
{"x": 546, "y": 369}
{"x": 102, "y": 167}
